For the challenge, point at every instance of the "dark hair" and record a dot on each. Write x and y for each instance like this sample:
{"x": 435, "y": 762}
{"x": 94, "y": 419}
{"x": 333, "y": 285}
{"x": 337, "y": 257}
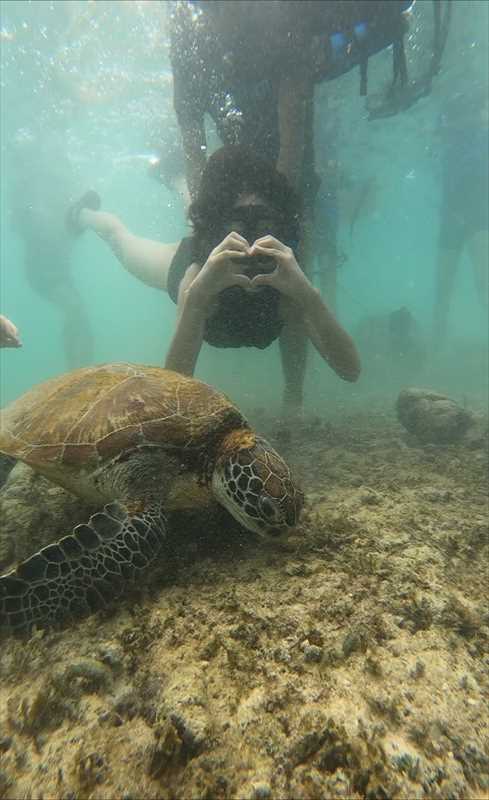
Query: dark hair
{"x": 232, "y": 171}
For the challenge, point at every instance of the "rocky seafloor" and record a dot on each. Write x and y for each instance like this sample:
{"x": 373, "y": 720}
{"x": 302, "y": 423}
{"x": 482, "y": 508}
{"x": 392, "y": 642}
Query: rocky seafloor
{"x": 349, "y": 661}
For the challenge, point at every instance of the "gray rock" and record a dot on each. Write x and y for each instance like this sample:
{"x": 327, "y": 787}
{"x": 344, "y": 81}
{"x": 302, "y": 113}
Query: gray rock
{"x": 261, "y": 791}
{"x": 432, "y": 417}
{"x": 313, "y": 653}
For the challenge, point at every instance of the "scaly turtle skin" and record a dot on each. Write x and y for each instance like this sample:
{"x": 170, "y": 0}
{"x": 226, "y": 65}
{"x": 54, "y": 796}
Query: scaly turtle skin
{"x": 137, "y": 441}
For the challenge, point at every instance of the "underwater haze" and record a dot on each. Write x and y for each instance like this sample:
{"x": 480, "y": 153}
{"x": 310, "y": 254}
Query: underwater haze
{"x": 86, "y": 101}
{"x": 188, "y": 610}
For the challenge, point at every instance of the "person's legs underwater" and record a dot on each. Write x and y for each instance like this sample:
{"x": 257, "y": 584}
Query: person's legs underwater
{"x": 293, "y": 352}
{"x": 446, "y": 270}
{"x": 326, "y": 243}
{"x": 456, "y": 234}
{"x": 478, "y": 249}
{"x": 57, "y": 287}
{"x": 293, "y": 340}
{"x": 77, "y": 334}
{"x": 450, "y": 244}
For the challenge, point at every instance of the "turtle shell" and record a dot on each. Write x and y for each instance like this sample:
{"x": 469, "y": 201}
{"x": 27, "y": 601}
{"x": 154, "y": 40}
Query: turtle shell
{"x": 83, "y": 418}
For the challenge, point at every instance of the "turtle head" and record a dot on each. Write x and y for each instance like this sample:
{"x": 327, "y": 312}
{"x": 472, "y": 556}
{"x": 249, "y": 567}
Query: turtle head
{"x": 255, "y": 485}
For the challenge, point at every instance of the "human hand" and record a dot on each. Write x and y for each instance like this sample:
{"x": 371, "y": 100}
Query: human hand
{"x": 222, "y": 269}
{"x": 9, "y": 335}
{"x": 287, "y": 277}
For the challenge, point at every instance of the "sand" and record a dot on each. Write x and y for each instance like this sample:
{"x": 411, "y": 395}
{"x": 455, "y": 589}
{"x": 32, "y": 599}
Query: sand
{"x": 350, "y": 660}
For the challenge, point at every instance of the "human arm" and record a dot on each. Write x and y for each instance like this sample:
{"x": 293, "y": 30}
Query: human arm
{"x": 189, "y": 334}
{"x": 197, "y": 293}
{"x": 331, "y": 341}
{"x": 9, "y": 334}
{"x": 146, "y": 259}
{"x": 329, "y": 338}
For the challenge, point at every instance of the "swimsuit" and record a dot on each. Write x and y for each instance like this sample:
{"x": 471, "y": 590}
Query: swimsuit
{"x": 242, "y": 319}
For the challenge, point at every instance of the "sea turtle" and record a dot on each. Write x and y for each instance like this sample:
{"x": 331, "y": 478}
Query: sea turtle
{"x": 135, "y": 440}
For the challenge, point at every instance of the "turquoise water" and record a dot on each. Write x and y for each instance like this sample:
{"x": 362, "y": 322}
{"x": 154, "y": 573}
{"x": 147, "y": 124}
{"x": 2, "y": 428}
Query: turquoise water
{"x": 97, "y": 77}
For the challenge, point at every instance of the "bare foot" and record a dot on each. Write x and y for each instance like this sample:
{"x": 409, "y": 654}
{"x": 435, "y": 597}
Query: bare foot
{"x": 89, "y": 200}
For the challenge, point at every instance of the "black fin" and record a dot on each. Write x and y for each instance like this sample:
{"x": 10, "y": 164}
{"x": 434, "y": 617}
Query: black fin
{"x": 82, "y": 572}
{"x": 89, "y": 200}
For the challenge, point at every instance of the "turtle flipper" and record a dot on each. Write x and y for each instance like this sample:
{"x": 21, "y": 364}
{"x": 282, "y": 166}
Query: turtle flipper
{"x": 84, "y": 571}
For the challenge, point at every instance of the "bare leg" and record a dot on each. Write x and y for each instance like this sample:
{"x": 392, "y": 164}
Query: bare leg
{"x": 445, "y": 276}
{"x": 293, "y": 339}
{"x": 327, "y": 279}
{"x": 109, "y": 228}
{"x": 478, "y": 247}
{"x": 296, "y": 161}
{"x": 48, "y": 271}
{"x": 293, "y": 351}
{"x": 147, "y": 260}
{"x": 326, "y": 212}
{"x": 77, "y": 334}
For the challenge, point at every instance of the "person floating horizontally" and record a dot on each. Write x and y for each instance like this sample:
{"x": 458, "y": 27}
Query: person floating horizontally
{"x": 236, "y": 280}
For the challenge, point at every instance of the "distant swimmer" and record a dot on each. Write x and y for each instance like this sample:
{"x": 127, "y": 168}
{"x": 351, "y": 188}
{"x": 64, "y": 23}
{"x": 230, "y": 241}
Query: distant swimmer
{"x": 9, "y": 334}
{"x": 464, "y": 210}
{"x": 391, "y": 345}
{"x": 42, "y": 181}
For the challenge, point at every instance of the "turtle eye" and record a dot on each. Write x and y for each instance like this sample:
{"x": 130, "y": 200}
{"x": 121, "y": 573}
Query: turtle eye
{"x": 267, "y": 509}
{"x": 291, "y": 514}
